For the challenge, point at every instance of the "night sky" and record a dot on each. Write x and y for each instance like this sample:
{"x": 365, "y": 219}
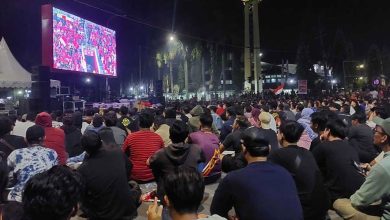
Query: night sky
{"x": 284, "y": 25}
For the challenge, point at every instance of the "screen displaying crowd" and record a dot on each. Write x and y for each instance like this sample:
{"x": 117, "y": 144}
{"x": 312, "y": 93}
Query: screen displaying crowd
{"x": 81, "y": 45}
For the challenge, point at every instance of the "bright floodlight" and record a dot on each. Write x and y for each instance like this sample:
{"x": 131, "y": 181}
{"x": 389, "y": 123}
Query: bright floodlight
{"x": 291, "y": 81}
{"x": 142, "y": 87}
{"x": 333, "y": 81}
{"x": 260, "y": 54}
{"x": 361, "y": 77}
{"x": 20, "y": 92}
{"x": 88, "y": 80}
{"x": 171, "y": 37}
{"x": 131, "y": 88}
{"x": 361, "y": 66}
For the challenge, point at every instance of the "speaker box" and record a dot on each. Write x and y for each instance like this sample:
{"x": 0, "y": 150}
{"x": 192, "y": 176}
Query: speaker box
{"x": 40, "y": 73}
{"x": 40, "y": 89}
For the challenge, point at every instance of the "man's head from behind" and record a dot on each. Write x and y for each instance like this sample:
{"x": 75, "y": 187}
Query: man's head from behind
{"x": 335, "y": 129}
{"x": 146, "y": 120}
{"x": 91, "y": 142}
{"x": 290, "y": 133}
{"x": 206, "y": 120}
{"x": 255, "y": 143}
{"x": 35, "y": 135}
{"x": 53, "y": 194}
{"x": 184, "y": 190}
{"x": 178, "y": 132}
{"x": 318, "y": 122}
{"x": 358, "y": 118}
{"x": 5, "y": 125}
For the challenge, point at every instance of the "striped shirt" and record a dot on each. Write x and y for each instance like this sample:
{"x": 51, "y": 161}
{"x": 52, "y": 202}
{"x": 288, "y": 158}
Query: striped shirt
{"x": 140, "y": 146}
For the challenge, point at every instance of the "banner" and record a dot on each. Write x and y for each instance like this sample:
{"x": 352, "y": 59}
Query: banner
{"x": 302, "y": 87}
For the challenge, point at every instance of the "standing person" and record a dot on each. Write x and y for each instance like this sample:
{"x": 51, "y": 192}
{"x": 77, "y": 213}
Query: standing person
{"x": 27, "y": 162}
{"x": 261, "y": 190}
{"x": 360, "y": 137}
{"x": 111, "y": 120}
{"x": 9, "y": 142}
{"x": 175, "y": 155}
{"x": 108, "y": 195}
{"x": 72, "y": 136}
{"x": 209, "y": 143}
{"x": 336, "y": 159}
{"x": 303, "y": 168}
{"x": 140, "y": 146}
{"x": 227, "y": 127}
{"x": 55, "y": 137}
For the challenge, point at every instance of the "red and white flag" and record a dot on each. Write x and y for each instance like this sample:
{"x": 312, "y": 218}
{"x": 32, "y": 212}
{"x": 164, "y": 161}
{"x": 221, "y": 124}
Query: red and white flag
{"x": 278, "y": 89}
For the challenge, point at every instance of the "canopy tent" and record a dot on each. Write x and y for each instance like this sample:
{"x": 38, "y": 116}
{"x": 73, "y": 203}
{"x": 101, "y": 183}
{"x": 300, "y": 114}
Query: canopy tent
{"x": 12, "y": 74}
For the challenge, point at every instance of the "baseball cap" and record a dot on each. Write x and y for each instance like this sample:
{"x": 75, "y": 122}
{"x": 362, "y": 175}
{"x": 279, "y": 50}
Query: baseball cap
{"x": 383, "y": 123}
{"x": 265, "y": 119}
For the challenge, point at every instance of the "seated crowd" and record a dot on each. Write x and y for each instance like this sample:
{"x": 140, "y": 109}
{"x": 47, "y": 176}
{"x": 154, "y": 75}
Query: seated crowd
{"x": 271, "y": 158}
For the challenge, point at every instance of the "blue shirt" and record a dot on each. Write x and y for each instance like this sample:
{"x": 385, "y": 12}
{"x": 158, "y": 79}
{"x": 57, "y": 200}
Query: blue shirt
{"x": 24, "y": 163}
{"x": 261, "y": 190}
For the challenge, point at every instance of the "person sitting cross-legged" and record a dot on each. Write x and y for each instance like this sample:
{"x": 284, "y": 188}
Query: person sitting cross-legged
{"x": 363, "y": 203}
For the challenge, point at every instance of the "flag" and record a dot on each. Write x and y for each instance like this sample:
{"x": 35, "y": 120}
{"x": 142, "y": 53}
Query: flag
{"x": 278, "y": 89}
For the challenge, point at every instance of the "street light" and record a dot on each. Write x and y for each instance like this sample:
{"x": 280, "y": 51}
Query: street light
{"x": 88, "y": 80}
{"x": 172, "y": 37}
{"x": 361, "y": 77}
{"x": 142, "y": 87}
{"x": 291, "y": 81}
{"x": 260, "y": 54}
{"x": 361, "y": 66}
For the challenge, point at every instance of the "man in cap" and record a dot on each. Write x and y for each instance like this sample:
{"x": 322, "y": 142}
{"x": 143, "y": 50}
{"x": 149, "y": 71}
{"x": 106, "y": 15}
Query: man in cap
{"x": 261, "y": 189}
{"x": 376, "y": 187}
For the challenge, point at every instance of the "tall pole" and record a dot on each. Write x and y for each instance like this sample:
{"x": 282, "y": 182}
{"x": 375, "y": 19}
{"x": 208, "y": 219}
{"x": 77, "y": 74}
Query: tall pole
{"x": 256, "y": 44}
{"x": 186, "y": 76}
{"x": 247, "y": 50}
{"x": 139, "y": 63}
{"x": 223, "y": 74}
{"x": 171, "y": 75}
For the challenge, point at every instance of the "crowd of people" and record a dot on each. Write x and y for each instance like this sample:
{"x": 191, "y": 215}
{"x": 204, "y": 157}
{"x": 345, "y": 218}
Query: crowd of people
{"x": 283, "y": 157}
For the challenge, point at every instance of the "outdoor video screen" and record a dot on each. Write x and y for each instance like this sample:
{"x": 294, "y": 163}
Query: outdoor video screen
{"x": 83, "y": 46}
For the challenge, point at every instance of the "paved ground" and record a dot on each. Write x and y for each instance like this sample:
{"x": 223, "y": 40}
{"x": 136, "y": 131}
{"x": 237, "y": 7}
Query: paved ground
{"x": 205, "y": 207}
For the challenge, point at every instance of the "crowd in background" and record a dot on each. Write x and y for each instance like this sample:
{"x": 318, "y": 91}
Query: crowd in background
{"x": 285, "y": 157}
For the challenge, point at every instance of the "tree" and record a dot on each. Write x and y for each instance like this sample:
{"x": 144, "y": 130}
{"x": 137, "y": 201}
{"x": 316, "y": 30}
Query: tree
{"x": 374, "y": 61}
{"x": 340, "y": 52}
{"x": 304, "y": 65}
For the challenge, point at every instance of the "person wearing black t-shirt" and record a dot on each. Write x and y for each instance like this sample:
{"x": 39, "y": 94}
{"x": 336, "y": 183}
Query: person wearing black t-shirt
{"x": 336, "y": 159}
{"x": 304, "y": 170}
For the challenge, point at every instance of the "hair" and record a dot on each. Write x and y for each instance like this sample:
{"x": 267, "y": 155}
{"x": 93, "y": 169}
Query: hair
{"x": 107, "y": 136}
{"x": 110, "y": 119}
{"x": 242, "y": 121}
{"x": 178, "y": 132}
{"x": 320, "y": 119}
{"x": 5, "y": 125}
{"x": 337, "y": 128}
{"x": 206, "y": 120}
{"x": 31, "y": 116}
{"x": 231, "y": 111}
{"x": 97, "y": 120}
{"x": 146, "y": 120}
{"x": 360, "y": 117}
{"x": 170, "y": 112}
{"x": 35, "y": 134}
{"x": 78, "y": 119}
{"x": 335, "y": 105}
{"x": 256, "y": 142}
{"x": 159, "y": 120}
{"x": 91, "y": 142}
{"x": 300, "y": 107}
{"x": 123, "y": 110}
{"x": 67, "y": 120}
{"x": 52, "y": 194}
{"x": 186, "y": 109}
{"x": 213, "y": 108}
{"x": 184, "y": 188}
{"x": 292, "y": 131}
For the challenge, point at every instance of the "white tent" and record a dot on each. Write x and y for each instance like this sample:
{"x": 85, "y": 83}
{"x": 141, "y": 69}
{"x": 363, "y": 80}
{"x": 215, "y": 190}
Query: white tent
{"x": 12, "y": 74}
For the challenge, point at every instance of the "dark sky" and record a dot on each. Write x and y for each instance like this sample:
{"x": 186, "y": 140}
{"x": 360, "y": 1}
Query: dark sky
{"x": 284, "y": 25}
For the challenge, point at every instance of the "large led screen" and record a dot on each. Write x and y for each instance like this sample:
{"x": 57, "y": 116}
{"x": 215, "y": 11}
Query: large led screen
{"x": 82, "y": 46}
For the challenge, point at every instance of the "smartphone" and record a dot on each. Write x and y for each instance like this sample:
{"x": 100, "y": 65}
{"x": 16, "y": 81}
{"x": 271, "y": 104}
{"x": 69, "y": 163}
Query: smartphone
{"x": 149, "y": 197}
